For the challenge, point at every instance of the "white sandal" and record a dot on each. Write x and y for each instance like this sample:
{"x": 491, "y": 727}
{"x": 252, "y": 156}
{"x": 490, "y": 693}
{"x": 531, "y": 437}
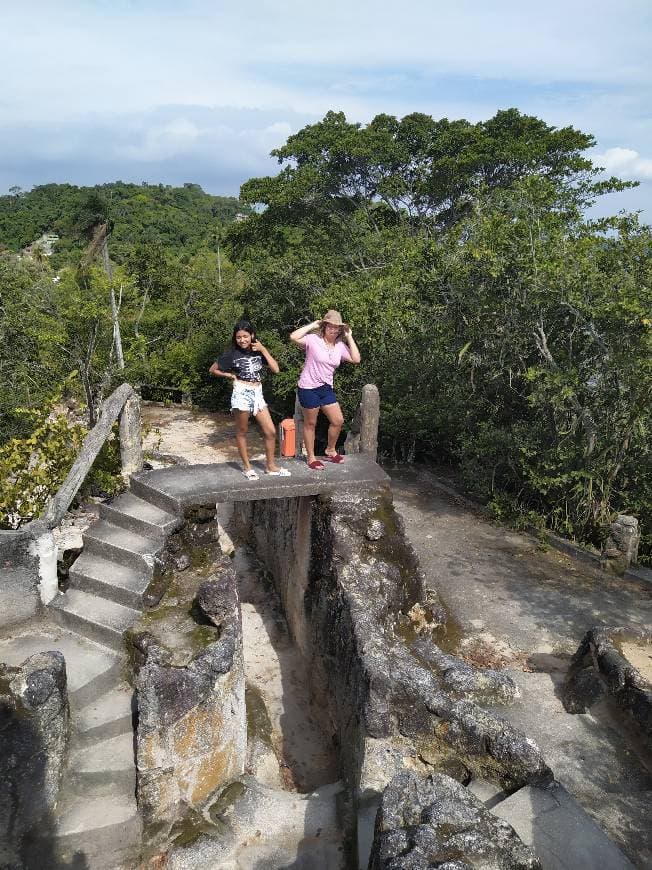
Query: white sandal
{"x": 282, "y": 472}
{"x": 250, "y": 474}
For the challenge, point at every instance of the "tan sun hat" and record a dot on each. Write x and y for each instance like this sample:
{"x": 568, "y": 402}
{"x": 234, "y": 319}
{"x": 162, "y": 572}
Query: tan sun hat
{"x": 334, "y": 318}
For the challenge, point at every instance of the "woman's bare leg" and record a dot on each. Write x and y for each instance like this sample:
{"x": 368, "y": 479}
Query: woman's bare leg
{"x": 309, "y": 423}
{"x": 335, "y": 422}
{"x": 241, "y": 427}
{"x": 264, "y": 420}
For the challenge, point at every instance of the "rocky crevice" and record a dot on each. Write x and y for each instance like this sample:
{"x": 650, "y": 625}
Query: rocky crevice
{"x": 390, "y": 705}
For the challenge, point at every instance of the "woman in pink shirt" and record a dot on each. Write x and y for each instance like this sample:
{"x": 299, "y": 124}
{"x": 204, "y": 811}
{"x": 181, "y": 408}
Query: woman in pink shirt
{"x": 324, "y": 351}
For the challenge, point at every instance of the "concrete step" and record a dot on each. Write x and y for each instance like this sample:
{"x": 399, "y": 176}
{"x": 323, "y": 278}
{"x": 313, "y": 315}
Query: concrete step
{"x": 99, "y": 833}
{"x": 96, "y": 618}
{"x": 108, "y": 716}
{"x": 123, "y": 584}
{"x": 108, "y": 764}
{"x": 136, "y": 515}
{"x": 562, "y": 834}
{"x": 121, "y": 546}
{"x": 91, "y": 669}
{"x": 154, "y": 496}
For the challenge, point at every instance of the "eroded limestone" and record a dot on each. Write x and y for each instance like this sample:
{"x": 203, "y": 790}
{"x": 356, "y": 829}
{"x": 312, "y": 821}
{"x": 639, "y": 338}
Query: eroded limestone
{"x": 191, "y": 734}
{"x": 433, "y": 821}
{"x": 34, "y": 732}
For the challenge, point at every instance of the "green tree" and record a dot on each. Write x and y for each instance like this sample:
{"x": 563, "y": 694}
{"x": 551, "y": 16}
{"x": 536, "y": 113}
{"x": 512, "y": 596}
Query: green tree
{"x": 506, "y": 331}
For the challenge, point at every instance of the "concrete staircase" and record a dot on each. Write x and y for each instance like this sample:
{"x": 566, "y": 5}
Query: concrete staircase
{"x": 97, "y": 813}
{"x": 109, "y": 579}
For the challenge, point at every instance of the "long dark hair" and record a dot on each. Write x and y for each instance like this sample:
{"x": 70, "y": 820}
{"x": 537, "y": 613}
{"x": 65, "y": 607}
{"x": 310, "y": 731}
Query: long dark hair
{"x": 244, "y": 326}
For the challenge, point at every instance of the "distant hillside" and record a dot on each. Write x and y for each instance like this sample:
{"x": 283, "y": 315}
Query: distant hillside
{"x": 179, "y": 218}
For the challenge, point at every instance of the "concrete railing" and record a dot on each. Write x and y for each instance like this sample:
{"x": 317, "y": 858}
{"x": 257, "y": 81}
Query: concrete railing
{"x": 28, "y": 555}
{"x": 124, "y": 403}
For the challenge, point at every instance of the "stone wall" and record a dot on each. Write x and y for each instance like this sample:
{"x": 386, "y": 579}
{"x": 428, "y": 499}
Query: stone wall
{"x": 600, "y": 668}
{"x": 20, "y": 573}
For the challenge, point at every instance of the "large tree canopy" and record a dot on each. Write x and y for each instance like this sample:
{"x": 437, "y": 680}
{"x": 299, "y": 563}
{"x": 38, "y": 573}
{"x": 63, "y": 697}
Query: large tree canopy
{"x": 507, "y": 332}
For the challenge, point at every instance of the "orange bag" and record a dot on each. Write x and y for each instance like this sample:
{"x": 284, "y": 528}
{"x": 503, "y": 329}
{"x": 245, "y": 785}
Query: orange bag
{"x": 288, "y": 437}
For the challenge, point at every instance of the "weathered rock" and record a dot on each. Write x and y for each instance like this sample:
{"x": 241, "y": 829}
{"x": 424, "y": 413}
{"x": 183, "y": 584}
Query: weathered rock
{"x": 182, "y": 562}
{"x": 620, "y": 549}
{"x": 191, "y": 735}
{"x": 582, "y": 689}
{"x": 599, "y": 667}
{"x": 391, "y": 698}
{"x": 463, "y": 680}
{"x": 34, "y": 730}
{"x": 195, "y": 543}
{"x": 375, "y": 530}
{"x": 255, "y": 826}
{"x": 428, "y": 822}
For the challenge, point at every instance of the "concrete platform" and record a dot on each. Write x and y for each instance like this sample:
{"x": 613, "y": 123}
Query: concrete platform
{"x": 590, "y": 758}
{"x": 174, "y": 488}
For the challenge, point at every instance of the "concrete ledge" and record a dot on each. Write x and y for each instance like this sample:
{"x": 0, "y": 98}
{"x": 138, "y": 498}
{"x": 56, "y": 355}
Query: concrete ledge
{"x": 176, "y": 488}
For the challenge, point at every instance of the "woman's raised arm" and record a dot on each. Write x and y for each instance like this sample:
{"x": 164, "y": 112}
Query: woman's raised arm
{"x": 299, "y": 334}
{"x": 353, "y": 347}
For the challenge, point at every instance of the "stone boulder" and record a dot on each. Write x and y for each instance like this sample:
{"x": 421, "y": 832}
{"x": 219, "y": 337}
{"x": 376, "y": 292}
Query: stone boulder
{"x": 191, "y": 733}
{"x": 620, "y": 549}
{"x": 34, "y": 732}
{"x": 434, "y": 822}
{"x": 600, "y": 667}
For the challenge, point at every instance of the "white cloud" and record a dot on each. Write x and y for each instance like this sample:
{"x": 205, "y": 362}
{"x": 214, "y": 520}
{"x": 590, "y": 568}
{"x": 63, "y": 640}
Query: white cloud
{"x": 89, "y": 56}
{"x": 625, "y": 163}
{"x": 146, "y": 81}
{"x": 164, "y": 141}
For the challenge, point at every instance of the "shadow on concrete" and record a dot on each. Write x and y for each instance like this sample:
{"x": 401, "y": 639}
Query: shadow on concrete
{"x": 307, "y": 756}
{"x": 28, "y": 828}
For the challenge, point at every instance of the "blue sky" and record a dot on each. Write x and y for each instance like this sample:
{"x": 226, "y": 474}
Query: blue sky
{"x": 191, "y": 90}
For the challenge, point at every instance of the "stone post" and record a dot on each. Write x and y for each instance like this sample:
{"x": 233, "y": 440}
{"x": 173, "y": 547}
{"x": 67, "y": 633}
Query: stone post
{"x": 131, "y": 449}
{"x": 33, "y": 741}
{"x": 369, "y": 417}
{"x": 621, "y": 547}
{"x": 44, "y": 548}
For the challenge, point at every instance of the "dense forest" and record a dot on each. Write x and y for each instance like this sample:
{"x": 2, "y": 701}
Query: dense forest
{"x": 509, "y": 333}
{"x": 179, "y": 218}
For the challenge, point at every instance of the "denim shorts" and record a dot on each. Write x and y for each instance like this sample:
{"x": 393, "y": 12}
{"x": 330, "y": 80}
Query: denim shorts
{"x": 317, "y": 397}
{"x": 247, "y": 397}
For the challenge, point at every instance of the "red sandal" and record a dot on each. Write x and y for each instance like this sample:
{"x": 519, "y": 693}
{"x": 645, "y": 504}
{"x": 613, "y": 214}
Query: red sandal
{"x": 316, "y": 465}
{"x": 336, "y": 459}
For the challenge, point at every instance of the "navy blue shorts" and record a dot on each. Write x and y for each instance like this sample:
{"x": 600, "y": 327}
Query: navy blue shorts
{"x": 317, "y": 397}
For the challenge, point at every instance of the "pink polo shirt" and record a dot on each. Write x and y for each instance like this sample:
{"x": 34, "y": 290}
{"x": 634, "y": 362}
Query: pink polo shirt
{"x": 321, "y": 361}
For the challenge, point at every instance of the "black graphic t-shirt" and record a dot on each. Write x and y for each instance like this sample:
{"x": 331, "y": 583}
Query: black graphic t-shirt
{"x": 246, "y": 365}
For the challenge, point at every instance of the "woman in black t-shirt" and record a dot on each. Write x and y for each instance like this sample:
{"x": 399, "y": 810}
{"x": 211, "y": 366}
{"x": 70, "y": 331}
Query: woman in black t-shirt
{"x": 243, "y": 363}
